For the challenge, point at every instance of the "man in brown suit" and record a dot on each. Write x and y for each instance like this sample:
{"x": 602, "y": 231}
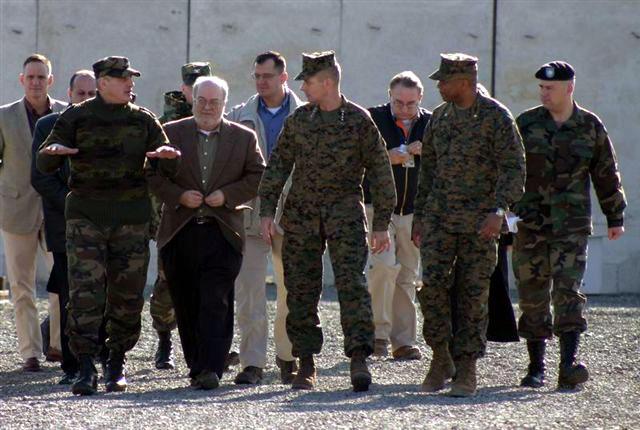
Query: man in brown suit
{"x": 20, "y": 204}
{"x": 201, "y": 233}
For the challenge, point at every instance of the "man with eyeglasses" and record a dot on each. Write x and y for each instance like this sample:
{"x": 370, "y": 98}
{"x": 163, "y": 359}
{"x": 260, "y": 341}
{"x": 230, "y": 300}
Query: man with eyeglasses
{"x": 201, "y": 234}
{"x": 177, "y": 105}
{"x": 392, "y": 275}
{"x": 264, "y": 112}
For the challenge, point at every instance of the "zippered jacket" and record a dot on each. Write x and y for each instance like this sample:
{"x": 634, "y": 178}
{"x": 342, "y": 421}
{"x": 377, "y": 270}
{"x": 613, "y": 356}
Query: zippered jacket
{"x": 406, "y": 178}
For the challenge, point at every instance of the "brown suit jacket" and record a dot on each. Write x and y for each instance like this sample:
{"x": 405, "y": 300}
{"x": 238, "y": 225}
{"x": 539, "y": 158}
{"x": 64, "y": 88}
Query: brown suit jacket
{"x": 237, "y": 169}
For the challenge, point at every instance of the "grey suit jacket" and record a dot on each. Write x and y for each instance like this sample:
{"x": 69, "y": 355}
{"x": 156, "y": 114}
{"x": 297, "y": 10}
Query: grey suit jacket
{"x": 237, "y": 169}
{"x": 20, "y": 204}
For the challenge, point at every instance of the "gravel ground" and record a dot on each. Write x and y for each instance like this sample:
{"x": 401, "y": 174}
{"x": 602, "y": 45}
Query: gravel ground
{"x": 162, "y": 399}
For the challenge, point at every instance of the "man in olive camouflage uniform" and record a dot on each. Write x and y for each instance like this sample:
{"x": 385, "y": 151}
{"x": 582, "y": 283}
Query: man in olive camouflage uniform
{"x": 472, "y": 170}
{"x": 567, "y": 146}
{"x": 331, "y": 141}
{"x": 110, "y": 143}
{"x": 177, "y": 105}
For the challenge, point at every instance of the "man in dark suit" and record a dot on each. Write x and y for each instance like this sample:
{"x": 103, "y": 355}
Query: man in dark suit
{"x": 20, "y": 204}
{"x": 53, "y": 189}
{"x": 201, "y": 233}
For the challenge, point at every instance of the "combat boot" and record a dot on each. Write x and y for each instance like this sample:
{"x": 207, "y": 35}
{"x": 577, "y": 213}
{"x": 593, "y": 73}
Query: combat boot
{"x": 360, "y": 375}
{"x": 441, "y": 369}
{"x": 465, "y": 382}
{"x": 535, "y": 375}
{"x": 305, "y": 379}
{"x": 288, "y": 370}
{"x": 164, "y": 357}
{"x": 115, "y": 379}
{"x": 87, "y": 382}
{"x": 571, "y": 373}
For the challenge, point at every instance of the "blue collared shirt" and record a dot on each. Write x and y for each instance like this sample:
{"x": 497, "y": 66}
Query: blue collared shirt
{"x": 273, "y": 122}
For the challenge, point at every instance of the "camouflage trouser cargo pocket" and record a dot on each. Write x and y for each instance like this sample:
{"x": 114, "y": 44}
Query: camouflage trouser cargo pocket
{"x": 549, "y": 269}
{"x": 107, "y": 270}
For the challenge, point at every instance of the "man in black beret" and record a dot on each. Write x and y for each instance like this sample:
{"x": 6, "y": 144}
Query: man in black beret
{"x": 567, "y": 147}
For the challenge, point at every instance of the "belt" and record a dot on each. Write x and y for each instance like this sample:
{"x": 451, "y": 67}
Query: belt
{"x": 204, "y": 220}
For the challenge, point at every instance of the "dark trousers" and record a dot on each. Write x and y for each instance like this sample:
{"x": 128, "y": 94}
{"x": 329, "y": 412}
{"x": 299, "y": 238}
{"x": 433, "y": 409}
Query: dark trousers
{"x": 201, "y": 267}
{"x": 59, "y": 277}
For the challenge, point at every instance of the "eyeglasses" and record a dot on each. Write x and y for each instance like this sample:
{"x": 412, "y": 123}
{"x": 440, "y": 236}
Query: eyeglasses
{"x": 410, "y": 105}
{"x": 264, "y": 76}
{"x": 214, "y": 103}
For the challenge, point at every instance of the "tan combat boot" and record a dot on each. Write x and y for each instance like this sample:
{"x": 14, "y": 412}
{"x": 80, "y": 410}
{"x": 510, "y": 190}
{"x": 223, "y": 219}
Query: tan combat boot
{"x": 305, "y": 379}
{"x": 360, "y": 375}
{"x": 465, "y": 383}
{"x": 440, "y": 370}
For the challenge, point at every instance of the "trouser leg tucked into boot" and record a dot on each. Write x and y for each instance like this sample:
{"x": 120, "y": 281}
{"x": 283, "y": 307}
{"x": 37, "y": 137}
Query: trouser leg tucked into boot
{"x": 571, "y": 373}
{"x": 305, "y": 379}
{"x": 441, "y": 369}
{"x": 535, "y": 375}
{"x": 87, "y": 382}
{"x": 164, "y": 356}
{"x": 360, "y": 375}
{"x": 288, "y": 370}
{"x": 465, "y": 383}
{"x": 116, "y": 380}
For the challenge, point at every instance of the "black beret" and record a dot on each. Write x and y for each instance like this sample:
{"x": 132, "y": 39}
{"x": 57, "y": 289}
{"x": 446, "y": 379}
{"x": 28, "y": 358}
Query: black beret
{"x": 556, "y": 71}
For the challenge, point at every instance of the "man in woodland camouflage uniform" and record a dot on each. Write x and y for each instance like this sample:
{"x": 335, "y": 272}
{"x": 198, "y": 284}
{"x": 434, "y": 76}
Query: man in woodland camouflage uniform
{"x": 111, "y": 143}
{"x": 331, "y": 141}
{"x": 472, "y": 171}
{"x": 177, "y": 105}
{"x": 567, "y": 146}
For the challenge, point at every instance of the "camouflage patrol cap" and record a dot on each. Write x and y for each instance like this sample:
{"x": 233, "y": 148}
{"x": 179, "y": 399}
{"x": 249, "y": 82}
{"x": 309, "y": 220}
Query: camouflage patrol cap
{"x": 456, "y": 65}
{"x": 316, "y": 62}
{"x": 192, "y": 71}
{"x": 114, "y": 66}
{"x": 556, "y": 71}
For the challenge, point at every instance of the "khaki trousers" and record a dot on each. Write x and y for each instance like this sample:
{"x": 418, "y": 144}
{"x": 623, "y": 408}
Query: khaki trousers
{"x": 21, "y": 252}
{"x": 392, "y": 278}
{"x": 251, "y": 303}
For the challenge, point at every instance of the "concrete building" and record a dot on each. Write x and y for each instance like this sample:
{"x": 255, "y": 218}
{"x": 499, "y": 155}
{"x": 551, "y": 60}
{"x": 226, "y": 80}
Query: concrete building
{"x": 373, "y": 41}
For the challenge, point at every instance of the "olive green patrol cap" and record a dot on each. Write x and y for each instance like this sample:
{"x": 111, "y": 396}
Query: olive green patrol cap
{"x": 316, "y": 62}
{"x": 114, "y": 66}
{"x": 192, "y": 71}
{"x": 456, "y": 65}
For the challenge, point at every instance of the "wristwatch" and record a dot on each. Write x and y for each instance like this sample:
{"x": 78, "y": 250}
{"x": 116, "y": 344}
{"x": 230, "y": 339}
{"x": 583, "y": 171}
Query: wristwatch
{"x": 498, "y": 211}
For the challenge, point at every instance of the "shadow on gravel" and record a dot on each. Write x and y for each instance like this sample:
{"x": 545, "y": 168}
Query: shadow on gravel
{"x": 400, "y": 396}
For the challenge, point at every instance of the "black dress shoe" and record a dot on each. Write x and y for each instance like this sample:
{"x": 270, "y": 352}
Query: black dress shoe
{"x": 31, "y": 365}
{"x": 68, "y": 379}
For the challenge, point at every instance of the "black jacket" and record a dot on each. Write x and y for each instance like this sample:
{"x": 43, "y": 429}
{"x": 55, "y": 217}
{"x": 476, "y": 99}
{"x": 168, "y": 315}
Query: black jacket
{"x": 53, "y": 188}
{"x": 406, "y": 178}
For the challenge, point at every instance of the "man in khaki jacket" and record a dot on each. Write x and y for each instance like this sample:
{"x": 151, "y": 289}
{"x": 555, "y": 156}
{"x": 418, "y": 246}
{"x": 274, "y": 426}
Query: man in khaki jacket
{"x": 264, "y": 113}
{"x": 201, "y": 233}
{"x": 21, "y": 206}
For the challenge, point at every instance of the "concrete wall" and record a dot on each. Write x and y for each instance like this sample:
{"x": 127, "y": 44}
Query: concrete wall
{"x": 373, "y": 40}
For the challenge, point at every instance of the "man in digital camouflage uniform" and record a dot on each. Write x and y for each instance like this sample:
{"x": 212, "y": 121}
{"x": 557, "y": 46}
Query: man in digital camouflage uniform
{"x": 331, "y": 141}
{"x": 112, "y": 144}
{"x": 472, "y": 171}
{"x": 567, "y": 148}
{"x": 177, "y": 105}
